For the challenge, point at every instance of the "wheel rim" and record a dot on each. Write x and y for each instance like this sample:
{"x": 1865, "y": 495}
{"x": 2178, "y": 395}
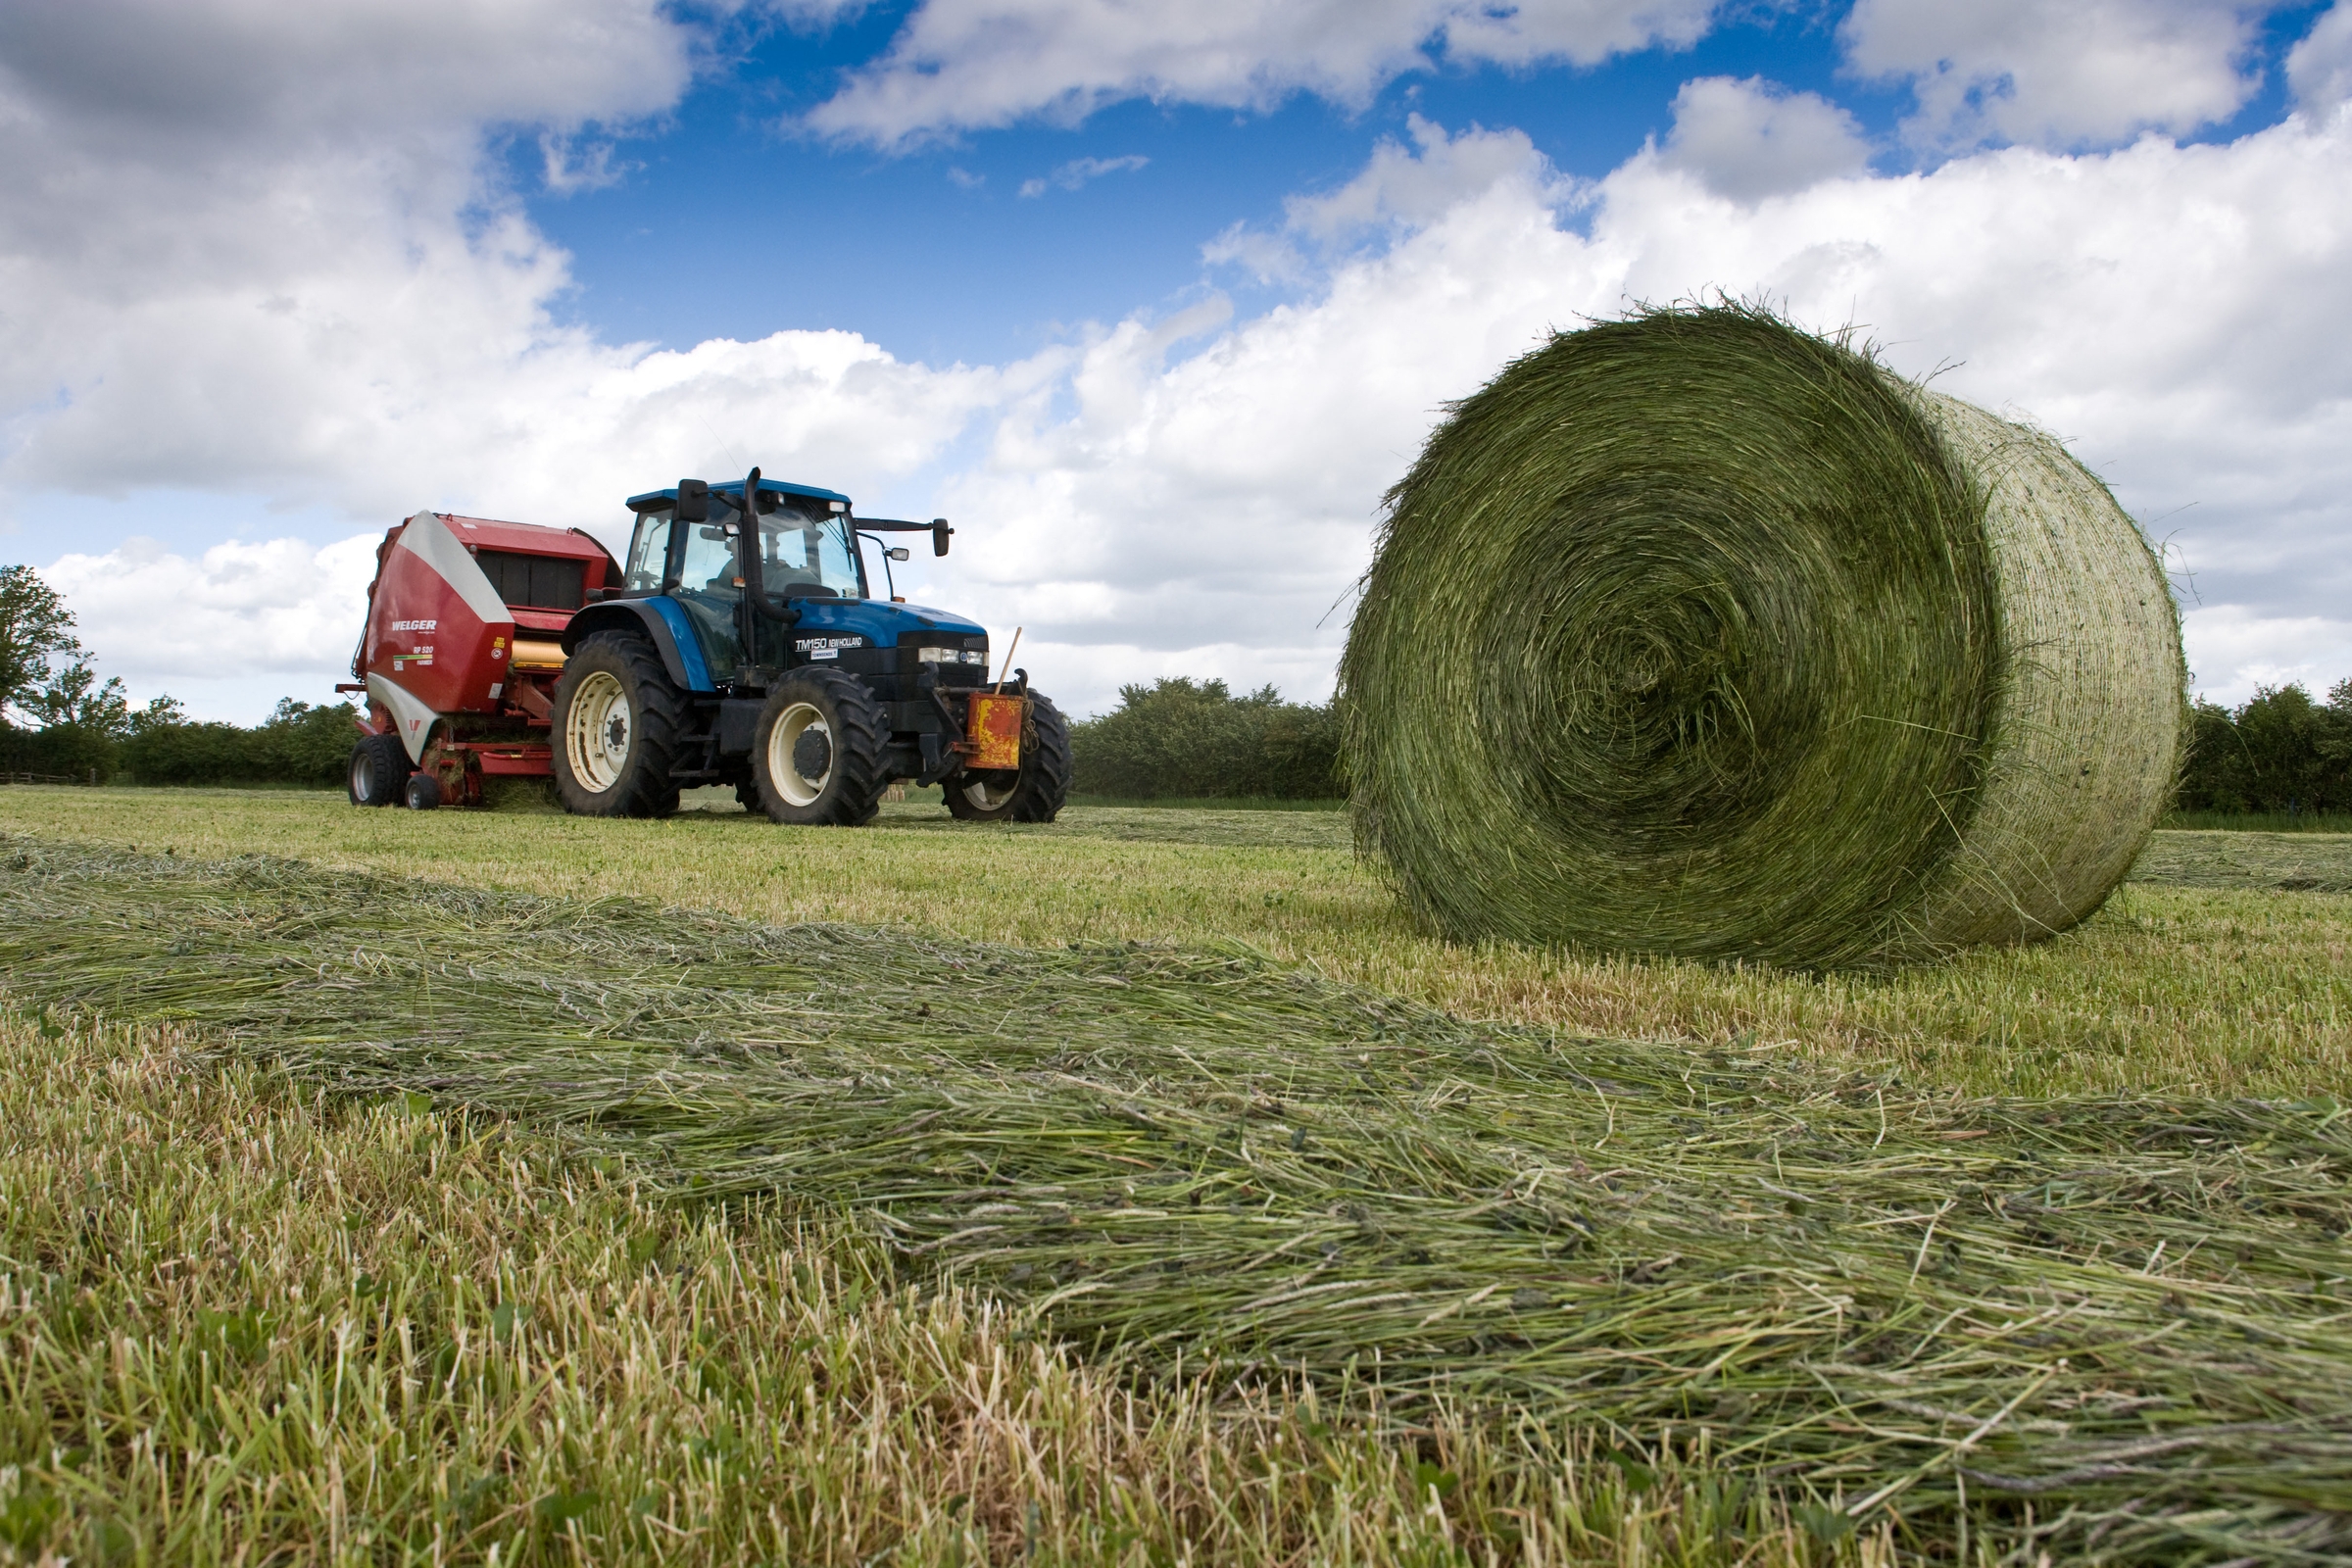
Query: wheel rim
{"x": 987, "y": 798}
{"x": 783, "y": 755}
{"x": 597, "y": 731}
{"x": 360, "y": 779}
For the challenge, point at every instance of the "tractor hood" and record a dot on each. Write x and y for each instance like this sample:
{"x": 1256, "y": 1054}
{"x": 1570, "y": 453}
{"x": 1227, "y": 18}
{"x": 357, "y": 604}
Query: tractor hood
{"x": 881, "y": 623}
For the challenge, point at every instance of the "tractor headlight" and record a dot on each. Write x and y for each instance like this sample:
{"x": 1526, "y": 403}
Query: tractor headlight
{"x": 951, "y": 655}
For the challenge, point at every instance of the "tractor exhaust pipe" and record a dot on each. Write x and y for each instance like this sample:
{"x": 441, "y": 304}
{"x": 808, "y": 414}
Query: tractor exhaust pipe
{"x": 749, "y": 567}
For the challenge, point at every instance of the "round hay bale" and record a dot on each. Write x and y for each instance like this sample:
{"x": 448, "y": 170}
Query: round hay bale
{"x": 1698, "y": 634}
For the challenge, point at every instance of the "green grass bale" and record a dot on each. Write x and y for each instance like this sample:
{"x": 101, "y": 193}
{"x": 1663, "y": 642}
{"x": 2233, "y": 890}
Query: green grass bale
{"x": 1698, "y": 634}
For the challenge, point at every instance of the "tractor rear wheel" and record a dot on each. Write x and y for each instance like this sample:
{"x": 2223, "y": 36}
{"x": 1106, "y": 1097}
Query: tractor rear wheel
{"x": 1035, "y": 792}
{"x": 380, "y": 771}
{"x": 817, "y": 750}
{"x": 617, "y": 724}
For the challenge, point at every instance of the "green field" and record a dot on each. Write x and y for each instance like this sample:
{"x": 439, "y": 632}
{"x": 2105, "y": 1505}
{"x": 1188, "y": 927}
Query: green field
{"x": 942, "y": 1284}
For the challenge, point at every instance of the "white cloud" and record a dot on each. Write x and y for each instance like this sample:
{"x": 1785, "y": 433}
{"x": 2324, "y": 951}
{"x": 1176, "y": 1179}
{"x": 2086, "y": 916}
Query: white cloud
{"x": 2233, "y": 652}
{"x": 279, "y": 607}
{"x": 1414, "y": 187}
{"x": 961, "y": 65}
{"x": 2076, "y": 73}
{"x": 1754, "y": 139}
{"x": 2319, "y": 68}
{"x": 568, "y": 164}
{"x": 349, "y": 319}
{"x": 1079, "y": 170}
{"x": 2169, "y": 310}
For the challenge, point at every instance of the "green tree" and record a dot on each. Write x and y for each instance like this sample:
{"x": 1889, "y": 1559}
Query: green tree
{"x": 1181, "y": 737}
{"x": 2218, "y": 775}
{"x": 75, "y": 699}
{"x": 2280, "y": 750}
{"x": 35, "y": 630}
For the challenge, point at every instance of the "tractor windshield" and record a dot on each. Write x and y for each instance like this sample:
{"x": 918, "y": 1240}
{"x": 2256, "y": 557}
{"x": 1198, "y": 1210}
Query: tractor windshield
{"x": 807, "y": 550}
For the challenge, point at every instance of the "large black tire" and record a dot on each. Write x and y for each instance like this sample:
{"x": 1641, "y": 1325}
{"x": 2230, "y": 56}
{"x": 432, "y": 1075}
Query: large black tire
{"x": 1036, "y": 792}
{"x": 380, "y": 771}
{"x": 617, "y": 725}
{"x": 817, "y": 750}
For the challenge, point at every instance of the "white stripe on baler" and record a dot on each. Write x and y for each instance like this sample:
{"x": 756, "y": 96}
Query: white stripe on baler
{"x": 412, "y": 720}
{"x": 429, "y": 539}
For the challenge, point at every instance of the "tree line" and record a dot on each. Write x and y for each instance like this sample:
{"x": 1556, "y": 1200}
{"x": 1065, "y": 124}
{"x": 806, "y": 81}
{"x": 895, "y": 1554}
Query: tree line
{"x": 1183, "y": 739}
{"x": 2283, "y": 750}
{"x": 59, "y": 719}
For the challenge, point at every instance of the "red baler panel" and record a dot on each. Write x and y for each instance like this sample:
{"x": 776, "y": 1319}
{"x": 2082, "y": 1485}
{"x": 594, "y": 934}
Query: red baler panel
{"x": 423, "y": 635}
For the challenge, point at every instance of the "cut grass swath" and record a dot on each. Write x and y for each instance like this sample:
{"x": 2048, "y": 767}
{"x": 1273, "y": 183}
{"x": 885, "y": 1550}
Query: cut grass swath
{"x": 2130, "y": 1314}
{"x": 1698, "y": 634}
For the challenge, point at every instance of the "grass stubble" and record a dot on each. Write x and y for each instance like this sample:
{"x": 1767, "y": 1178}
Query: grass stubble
{"x": 242, "y": 1321}
{"x": 2109, "y": 1325}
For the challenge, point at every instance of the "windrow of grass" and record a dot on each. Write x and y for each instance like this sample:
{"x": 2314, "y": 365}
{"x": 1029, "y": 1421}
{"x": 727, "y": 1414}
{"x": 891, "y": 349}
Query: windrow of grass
{"x": 2212, "y": 978}
{"x": 2121, "y": 1323}
{"x": 244, "y": 1322}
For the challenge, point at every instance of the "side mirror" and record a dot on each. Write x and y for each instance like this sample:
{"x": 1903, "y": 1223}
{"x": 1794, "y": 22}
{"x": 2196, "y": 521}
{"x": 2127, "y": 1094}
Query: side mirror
{"x": 899, "y": 552}
{"x": 693, "y": 501}
{"x": 939, "y": 536}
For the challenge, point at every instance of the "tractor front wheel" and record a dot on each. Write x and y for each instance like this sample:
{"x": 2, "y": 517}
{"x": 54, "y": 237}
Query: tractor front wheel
{"x": 380, "y": 771}
{"x": 1032, "y": 794}
{"x": 617, "y": 723}
{"x": 817, "y": 750}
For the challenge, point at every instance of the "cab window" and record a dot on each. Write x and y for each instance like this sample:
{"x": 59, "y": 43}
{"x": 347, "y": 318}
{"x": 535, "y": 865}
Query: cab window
{"x": 649, "y": 551}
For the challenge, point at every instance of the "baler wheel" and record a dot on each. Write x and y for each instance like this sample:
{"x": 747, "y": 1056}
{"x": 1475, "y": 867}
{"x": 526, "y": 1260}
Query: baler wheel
{"x": 1036, "y": 792}
{"x": 616, "y": 725}
{"x": 379, "y": 768}
{"x": 817, "y": 750}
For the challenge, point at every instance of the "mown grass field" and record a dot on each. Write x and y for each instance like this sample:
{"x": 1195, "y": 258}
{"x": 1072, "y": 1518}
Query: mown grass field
{"x": 2219, "y": 968}
{"x": 245, "y": 1321}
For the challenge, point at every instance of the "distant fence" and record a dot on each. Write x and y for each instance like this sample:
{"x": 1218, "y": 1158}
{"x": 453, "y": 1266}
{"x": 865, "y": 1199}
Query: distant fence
{"x": 48, "y": 778}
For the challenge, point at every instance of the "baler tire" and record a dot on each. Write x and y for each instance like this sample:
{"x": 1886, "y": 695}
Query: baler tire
{"x": 1043, "y": 784}
{"x": 653, "y": 722}
{"x": 379, "y": 769}
{"x": 849, "y": 791}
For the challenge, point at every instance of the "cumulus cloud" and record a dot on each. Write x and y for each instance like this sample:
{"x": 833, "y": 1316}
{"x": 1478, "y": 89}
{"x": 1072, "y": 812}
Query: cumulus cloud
{"x": 1754, "y": 139}
{"x": 961, "y": 65}
{"x": 2236, "y": 652}
{"x": 2319, "y": 68}
{"x": 2084, "y": 72}
{"x": 349, "y": 317}
{"x": 279, "y": 607}
{"x": 2167, "y": 309}
{"x": 1079, "y": 170}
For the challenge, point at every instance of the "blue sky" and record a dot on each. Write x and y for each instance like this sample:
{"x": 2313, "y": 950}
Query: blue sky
{"x": 1156, "y": 301}
{"x": 967, "y": 269}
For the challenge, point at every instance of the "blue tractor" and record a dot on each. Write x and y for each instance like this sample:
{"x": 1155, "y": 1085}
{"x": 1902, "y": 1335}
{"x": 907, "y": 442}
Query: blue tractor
{"x": 746, "y": 647}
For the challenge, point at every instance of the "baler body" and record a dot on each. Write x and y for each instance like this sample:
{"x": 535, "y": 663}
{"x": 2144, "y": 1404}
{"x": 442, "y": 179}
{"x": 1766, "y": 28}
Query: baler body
{"x": 462, "y": 642}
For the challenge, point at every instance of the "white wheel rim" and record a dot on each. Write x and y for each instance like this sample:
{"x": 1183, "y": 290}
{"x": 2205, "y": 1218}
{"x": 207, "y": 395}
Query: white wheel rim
{"x": 597, "y": 731}
{"x": 360, "y": 779}
{"x": 783, "y": 741}
{"x": 988, "y": 800}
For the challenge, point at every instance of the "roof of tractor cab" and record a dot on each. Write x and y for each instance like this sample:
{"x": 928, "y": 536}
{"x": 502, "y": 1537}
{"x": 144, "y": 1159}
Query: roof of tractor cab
{"x": 652, "y": 499}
